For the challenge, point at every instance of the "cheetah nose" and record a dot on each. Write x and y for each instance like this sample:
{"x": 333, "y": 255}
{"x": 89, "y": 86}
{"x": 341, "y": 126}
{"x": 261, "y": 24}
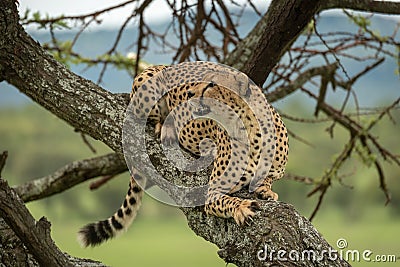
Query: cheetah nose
{"x": 190, "y": 94}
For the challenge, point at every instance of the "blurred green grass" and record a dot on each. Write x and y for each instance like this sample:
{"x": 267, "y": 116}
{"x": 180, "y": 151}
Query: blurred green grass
{"x": 152, "y": 240}
{"x": 39, "y": 143}
{"x": 377, "y": 232}
{"x": 156, "y": 240}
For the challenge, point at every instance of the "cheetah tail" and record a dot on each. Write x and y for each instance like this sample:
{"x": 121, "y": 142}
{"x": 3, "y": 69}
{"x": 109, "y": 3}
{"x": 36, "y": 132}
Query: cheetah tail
{"x": 94, "y": 234}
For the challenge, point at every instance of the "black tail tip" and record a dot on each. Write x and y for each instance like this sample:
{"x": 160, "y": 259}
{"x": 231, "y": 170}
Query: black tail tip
{"x": 93, "y": 235}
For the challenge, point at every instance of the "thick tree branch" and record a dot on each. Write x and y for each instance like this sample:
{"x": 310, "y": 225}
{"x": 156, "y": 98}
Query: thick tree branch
{"x": 277, "y": 227}
{"x": 71, "y": 175}
{"x": 34, "y": 234}
{"x": 384, "y": 7}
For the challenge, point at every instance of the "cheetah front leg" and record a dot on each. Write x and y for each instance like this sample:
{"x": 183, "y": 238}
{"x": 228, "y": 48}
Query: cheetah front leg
{"x": 223, "y": 181}
{"x": 165, "y": 127}
{"x": 264, "y": 190}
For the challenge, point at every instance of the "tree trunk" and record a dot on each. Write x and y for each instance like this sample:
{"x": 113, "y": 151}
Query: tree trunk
{"x": 25, "y": 241}
{"x": 14, "y": 253}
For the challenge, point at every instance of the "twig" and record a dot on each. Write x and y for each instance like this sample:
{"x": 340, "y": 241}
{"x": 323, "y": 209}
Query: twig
{"x": 298, "y": 178}
{"x": 295, "y": 136}
{"x": 323, "y": 188}
{"x": 354, "y": 127}
{"x": 325, "y": 182}
{"x": 100, "y": 182}
{"x": 383, "y": 113}
{"x": 382, "y": 182}
{"x": 89, "y": 145}
{"x": 80, "y": 17}
{"x": 116, "y": 42}
{"x": 141, "y": 35}
{"x": 381, "y": 174}
{"x": 303, "y": 77}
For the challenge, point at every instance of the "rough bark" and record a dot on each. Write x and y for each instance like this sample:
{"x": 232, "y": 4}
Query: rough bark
{"x": 277, "y": 227}
{"x": 383, "y": 7}
{"x": 98, "y": 113}
{"x": 72, "y": 174}
{"x": 31, "y": 245}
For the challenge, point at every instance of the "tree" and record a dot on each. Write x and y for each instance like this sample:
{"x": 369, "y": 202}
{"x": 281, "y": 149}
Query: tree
{"x": 98, "y": 113}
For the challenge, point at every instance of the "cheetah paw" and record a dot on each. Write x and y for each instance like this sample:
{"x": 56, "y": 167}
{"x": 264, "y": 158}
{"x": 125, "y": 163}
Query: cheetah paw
{"x": 157, "y": 129}
{"x": 266, "y": 194}
{"x": 245, "y": 211}
{"x": 167, "y": 134}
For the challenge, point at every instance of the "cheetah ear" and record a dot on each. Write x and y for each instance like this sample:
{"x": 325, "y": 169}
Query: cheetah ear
{"x": 209, "y": 85}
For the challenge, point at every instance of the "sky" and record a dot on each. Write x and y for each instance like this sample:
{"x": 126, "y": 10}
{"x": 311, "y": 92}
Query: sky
{"x": 158, "y": 10}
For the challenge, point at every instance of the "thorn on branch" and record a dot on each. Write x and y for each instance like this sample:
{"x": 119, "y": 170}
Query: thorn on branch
{"x": 100, "y": 182}
{"x": 340, "y": 179}
{"x": 86, "y": 141}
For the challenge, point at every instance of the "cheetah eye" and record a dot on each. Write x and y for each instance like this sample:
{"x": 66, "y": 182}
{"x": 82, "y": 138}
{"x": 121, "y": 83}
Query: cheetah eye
{"x": 190, "y": 94}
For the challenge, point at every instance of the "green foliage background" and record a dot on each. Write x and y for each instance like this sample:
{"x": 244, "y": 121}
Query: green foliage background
{"x": 39, "y": 143}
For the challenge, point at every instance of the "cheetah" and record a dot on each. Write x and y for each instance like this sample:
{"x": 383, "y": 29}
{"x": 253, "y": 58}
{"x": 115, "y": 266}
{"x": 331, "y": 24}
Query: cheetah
{"x": 196, "y": 90}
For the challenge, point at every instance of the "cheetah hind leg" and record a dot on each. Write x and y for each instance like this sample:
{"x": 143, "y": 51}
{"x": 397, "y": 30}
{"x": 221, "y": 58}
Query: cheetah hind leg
{"x": 225, "y": 206}
{"x": 264, "y": 190}
{"x": 94, "y": 234}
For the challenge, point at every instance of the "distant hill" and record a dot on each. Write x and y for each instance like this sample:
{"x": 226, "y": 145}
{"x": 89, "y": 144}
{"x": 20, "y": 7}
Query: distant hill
{"x": 380, "y": 83}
